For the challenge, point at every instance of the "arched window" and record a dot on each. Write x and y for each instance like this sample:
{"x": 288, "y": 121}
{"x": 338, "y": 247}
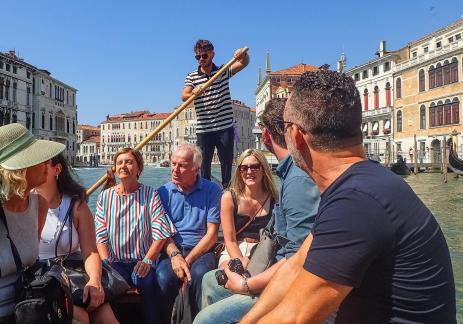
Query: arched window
{"x": 432, "y": 115}
{"x": 454, "y": 70}
{"x": 440, "y": 113}
{"x": 7, "y": 90}
{"x": 399, "y": 121}
{"x": 398, "y": 88}
{"x": 446, "y": 69}
{"x": 421, "y": 80}
{"x": 447, "y": 112}
{"x": 388, "y": 95}
{"x": 376, "y": 95}
{"x": 432, "y": 77}
{"x": 455, "y": 111}
{"x": 422, "y": 117}
{"x": 43, "y": 120}
{"x": 365, "y": 100}
{"x": 438, "y": 75}
{"x": 1, "y": 89}
{"x": 51, "y": 122}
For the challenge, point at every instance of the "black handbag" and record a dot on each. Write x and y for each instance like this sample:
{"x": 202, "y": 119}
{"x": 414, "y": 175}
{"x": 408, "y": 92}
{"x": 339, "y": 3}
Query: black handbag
{"x": 42, "y": 294}
{"x": 114, "y": 285}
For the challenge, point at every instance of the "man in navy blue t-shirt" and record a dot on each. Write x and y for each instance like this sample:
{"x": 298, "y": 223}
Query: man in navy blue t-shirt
{"x": 376, "y": 253}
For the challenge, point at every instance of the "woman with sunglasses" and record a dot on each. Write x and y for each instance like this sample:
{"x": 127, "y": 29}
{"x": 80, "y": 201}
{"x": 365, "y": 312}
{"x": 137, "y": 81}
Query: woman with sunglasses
{"x": 247, "y": 206}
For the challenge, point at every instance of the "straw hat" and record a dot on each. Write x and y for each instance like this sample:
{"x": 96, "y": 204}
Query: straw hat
{"x": 19, "y": 149}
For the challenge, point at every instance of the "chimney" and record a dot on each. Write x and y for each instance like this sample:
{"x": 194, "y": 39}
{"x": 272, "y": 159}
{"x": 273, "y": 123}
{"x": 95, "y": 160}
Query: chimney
{"x": 382, "y": 48}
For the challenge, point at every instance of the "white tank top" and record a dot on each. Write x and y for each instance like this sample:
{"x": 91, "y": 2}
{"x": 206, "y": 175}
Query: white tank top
{"x": 55, "y": 218}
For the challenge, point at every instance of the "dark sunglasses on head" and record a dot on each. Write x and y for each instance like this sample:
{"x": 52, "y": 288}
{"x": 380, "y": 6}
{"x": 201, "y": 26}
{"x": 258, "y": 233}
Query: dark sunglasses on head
{"x": 201, "y": 56}
{"x": 252, "y": 167}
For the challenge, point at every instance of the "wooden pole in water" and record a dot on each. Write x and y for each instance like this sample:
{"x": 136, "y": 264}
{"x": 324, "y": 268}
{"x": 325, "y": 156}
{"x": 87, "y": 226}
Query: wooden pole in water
{"x": 444, "y": 159}
{"x": 415, "y": 148}
{"x": 169, "y": 119}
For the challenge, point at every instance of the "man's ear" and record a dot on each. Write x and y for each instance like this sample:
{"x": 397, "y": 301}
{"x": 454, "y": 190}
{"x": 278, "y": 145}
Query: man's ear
{"x": 299, "y": 140}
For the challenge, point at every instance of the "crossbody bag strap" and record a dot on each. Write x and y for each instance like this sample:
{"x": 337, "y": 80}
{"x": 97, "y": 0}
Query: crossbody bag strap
{"x": 67, "y": 218}
{"x": 14, "y": 250}
{"x": 251, "y": 219}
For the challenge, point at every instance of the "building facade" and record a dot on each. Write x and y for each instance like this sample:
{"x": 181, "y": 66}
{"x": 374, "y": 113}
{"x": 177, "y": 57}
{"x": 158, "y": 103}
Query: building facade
{"x": 88, "y": 145}
{"x": 428, "y": 94}
{"x": 375, "y": 83}
{"x": 129, "y": 129}
{"x": 44, "y": 105}
{"x": 277, "y": 84}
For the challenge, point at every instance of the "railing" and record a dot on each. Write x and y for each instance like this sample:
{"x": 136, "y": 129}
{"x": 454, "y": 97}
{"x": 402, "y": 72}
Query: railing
{"x": 430, "y": 55}
{"x": 377, "y": 112}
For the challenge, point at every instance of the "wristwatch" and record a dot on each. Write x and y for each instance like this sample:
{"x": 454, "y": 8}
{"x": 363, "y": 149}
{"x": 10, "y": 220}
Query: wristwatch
{"x": 175, "y": 253}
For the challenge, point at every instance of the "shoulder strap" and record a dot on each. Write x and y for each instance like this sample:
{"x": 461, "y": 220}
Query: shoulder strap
{"x": 235, "y": 202}
{"x": 251, "y": 219}
{"x": 14, "y": 250}
{"x": 67, "y": 218}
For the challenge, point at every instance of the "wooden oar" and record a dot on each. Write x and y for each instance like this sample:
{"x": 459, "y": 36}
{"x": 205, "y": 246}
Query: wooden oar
{"x": 168, "y": 119}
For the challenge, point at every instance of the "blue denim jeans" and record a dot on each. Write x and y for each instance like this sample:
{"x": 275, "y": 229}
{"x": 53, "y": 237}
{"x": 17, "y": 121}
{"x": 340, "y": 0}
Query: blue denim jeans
{"x": 220, "y": 305}
{"x": 169, "y": 285}
{"x": 146, "y": 287}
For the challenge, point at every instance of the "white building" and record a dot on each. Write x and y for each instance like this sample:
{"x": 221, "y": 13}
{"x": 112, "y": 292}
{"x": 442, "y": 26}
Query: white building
{"x": 32, "y": 97}
{"x": 245, "y": 119}
{"x": 129, "y": 129}
{"x": 15, "y": 90}
{"x": 374, "y": 81}
{"x": 88, "y": 145}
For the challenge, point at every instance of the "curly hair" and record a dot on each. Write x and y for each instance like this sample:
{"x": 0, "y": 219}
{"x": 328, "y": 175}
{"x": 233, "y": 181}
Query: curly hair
{"x": 12, "y": 183}
{"x": 203, "y": 45}
{"x": 326, "y": 105}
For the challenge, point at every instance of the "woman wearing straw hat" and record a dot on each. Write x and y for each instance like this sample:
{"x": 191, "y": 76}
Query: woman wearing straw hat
{"x": 61, "y": 190}
{"x": 23, "y": 166}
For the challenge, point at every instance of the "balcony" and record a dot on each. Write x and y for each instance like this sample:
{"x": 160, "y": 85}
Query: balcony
{"x": 377, "y": 112}
{"x": 60, "y": 134}
{"x": 428, "y": 56}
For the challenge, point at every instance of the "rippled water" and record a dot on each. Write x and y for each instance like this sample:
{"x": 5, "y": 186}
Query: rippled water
{"x": 444, "y": 199}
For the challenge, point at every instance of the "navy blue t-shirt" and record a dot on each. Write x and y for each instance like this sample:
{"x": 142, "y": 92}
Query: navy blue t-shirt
{"x": 374, "y": 234}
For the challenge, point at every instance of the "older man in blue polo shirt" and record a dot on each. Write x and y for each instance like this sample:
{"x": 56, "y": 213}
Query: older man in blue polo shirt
{"x": 193, "y": 203}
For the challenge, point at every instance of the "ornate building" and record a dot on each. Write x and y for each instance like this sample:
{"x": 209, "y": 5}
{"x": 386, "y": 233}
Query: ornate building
{"x": 129, "y": 129}
{"x": 375, "y": 83}
{"x": 428, "y": 93}
{"x": 277, "y": 84}
{"x": 32, "y": 97}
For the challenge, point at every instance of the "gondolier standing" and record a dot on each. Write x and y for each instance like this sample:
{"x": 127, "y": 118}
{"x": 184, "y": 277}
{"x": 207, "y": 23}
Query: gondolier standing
{"x": 214, "y": 112}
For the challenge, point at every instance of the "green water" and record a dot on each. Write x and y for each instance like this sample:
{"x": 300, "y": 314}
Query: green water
{"x": 444, "y": 199}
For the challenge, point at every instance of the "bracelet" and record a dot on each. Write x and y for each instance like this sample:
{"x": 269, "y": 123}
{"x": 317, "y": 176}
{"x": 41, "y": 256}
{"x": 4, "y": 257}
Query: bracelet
{"x": 246, "y": 286}
{"x": 106, "y": 261}
{"x": 147, "y": 261}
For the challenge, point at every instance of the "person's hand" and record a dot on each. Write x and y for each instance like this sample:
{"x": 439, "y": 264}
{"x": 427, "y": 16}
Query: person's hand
{"x": 181, "y": 268}
{"x": 235, "y": 281}
{"x": 141, "y": 269}
{"x": 198, "y": 90}
{"x": 240, "y": 54}
{"x": 95, "y": 292}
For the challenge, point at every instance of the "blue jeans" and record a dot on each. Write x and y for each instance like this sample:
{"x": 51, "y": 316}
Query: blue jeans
{"x": 169, "y": 285}
{"x": 220, "y": 305}
{"x": 146, "y": 287}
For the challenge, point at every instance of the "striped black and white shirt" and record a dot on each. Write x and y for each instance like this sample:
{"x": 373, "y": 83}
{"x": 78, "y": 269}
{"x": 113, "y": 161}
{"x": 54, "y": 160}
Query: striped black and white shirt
{"x": 213, "y": 108}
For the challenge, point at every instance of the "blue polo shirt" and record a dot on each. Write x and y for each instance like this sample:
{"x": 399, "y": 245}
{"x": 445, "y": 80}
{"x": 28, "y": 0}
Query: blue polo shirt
{"x": 190, "y": 212}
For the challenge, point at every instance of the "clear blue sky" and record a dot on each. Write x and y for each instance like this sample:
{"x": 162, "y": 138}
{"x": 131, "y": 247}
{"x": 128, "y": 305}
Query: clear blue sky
{"x": 129, "y": 55}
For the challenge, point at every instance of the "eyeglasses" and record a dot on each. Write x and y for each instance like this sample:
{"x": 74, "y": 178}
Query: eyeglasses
{"x": 252, "y": 167}
{"x": 201, "y": 56}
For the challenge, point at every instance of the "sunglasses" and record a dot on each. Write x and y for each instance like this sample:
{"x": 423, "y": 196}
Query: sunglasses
{"x": 201, "y": 56}
{"x": 252, "y": 167}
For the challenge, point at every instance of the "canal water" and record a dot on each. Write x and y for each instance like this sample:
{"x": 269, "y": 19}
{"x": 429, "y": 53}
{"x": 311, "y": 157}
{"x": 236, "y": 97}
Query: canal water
{"x": 444, "y": 199}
